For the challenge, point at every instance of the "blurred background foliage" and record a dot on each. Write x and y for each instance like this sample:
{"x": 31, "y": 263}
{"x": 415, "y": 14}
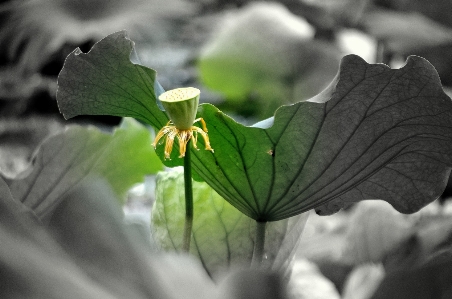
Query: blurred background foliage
{"x": 248, "y": 58}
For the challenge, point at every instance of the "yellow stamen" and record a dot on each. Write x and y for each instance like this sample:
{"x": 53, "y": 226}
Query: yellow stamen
{"x": 204, "y": 136}
{"x": 183, "y": 136}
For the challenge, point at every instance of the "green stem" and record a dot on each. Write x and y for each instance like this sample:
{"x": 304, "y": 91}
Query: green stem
{"x": 188, "y": 199}
{"x": 259, "y": 244}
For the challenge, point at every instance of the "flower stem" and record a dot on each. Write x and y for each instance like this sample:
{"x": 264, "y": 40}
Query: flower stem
{"x": 259, "y": 244}
{"x": 188, "y": 200}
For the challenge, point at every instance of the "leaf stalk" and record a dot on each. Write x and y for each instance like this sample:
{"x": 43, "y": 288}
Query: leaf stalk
{"x": 188, "y": 200}
{"x": 259, "y": 244}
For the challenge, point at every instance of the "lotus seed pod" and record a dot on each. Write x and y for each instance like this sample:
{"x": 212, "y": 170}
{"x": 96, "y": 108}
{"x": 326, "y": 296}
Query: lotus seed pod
{"x": 181, "y": 105}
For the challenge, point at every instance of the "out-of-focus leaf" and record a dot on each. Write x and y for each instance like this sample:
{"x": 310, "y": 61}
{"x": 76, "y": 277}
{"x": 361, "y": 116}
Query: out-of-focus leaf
{"x": 86, "y": 251}
{"x": 429, "y": 236}
{"x": 16, "y": 86}
{"x": 19, "y": 137}
{"x": 307, "y": 281}
{"x": 363, "y": 281}
{"x": 261, "y": 284}
{"x": 342, "y": 12}
{"x": 222, "y": 236}
{"x": 406, "y": 32}
{"x": 435, "y": 234}
{"x": 373, "y": 133}
{"x": 369, "y": 239}
{"x": 33, "y": 34}
{"x": 63, "y": 160}
{"x": 429, "y": 281}
{"x": 438, "y": 10}
{"x": 120, "y": 262}
{"x": 267, "y": 51}
{"x": 33, "y": 265}
{"x": 323, "y": 243}
{"x": 9, "y": 203}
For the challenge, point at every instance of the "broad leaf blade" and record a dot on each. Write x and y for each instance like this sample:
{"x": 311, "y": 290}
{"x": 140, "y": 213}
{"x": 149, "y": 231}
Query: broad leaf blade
{"x": 63, "y": 160}
{"x": 383, "y": 134}
{"x": 105, "y": 82}
{"x": 374, "y": 133}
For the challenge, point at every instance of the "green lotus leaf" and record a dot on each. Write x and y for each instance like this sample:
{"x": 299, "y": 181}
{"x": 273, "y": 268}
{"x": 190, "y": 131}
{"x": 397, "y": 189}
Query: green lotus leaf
{"x": 374, "y": 133}
{"x": 123, "y": 158}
